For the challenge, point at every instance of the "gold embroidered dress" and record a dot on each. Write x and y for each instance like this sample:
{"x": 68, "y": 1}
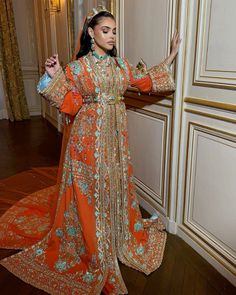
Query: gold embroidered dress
{"x": 72, "y": 238}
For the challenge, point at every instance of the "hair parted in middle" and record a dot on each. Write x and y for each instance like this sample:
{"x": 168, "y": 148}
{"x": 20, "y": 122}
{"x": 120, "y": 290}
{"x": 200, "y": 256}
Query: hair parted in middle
{"x": 85, "y": 39}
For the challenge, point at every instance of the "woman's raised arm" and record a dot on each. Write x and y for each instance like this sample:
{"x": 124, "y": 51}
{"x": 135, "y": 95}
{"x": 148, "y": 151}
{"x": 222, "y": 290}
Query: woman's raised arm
{"x": 59, "y": 88}
{"x": 157, "y": 79}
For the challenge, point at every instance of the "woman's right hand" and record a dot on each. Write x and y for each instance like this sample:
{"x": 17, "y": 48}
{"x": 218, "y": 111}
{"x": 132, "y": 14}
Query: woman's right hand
{"x": 52, "y": 65}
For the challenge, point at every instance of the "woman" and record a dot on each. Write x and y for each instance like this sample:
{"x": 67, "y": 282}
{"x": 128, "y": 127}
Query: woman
{"x": 79, "y": 232}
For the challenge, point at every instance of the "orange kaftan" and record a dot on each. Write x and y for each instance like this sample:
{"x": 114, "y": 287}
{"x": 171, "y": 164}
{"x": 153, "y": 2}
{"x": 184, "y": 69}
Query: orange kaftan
{"x": 72, "y": 237}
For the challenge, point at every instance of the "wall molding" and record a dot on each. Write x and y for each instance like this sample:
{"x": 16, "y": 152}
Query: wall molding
{"x": 203, "y": 75}
{"x": 223, "y": 255}
{"x": 161, "y": 199}
{"x": 211, "y": 103}
{"x": 212, "y": 116}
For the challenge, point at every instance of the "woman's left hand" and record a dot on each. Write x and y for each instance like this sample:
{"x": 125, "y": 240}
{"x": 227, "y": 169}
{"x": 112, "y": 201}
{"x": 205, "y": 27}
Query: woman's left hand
{"x": 174, "y": 48}
{"x": 175, "y": 43}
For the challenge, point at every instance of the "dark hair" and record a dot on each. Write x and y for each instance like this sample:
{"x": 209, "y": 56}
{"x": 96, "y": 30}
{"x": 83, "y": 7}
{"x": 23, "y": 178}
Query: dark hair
{"x": 85, "y": 39}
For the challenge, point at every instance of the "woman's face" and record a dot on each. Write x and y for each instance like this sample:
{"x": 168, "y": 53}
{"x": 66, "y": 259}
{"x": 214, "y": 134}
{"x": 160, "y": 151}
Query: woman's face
{"x": 104, "y": 34}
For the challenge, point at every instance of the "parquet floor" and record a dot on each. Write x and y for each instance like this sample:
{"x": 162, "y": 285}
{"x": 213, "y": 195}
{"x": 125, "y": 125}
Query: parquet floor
{"x": 35, "y": 143}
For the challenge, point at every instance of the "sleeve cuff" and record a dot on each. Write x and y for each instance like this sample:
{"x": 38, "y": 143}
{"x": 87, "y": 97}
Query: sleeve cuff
{"x": 162, "y": 79}
{"x": 56, "y": 88}
{"x": 43, "y": 82}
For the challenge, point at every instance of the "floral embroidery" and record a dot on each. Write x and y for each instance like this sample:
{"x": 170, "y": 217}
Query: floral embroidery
{"x": 39, "y": 251}
{"x": 71, "y": 231}
{"x": 61, "y": 265}
{"x": 131, "y": 254}
{"x": 59, "y": 232}
{"x": 83, "y": 186}
{"x": 134, "y": 204}
{"x": 66, "y": 214}
{"x": 140, "y": 250}
{"x": 88, "y": 277}
{"x": 138, "y": 226}
{"x": 69, "y": 179}
{"x": 82, "y": 250}
{"x": 75, "y": 67}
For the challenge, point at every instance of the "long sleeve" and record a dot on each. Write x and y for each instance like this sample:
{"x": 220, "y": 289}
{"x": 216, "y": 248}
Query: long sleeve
{"x": 61, "y": 90}
{"x": 157, "y": 79}
{"x": 162, "y": 79}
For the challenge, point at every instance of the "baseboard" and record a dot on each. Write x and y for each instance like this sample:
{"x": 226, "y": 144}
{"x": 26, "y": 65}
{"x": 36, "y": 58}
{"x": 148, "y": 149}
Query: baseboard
{"x": 170, "y": 225}
{"x": 3, "y": 114}
{"x": 35, "y": 110}
{"x": 52, "y": 121}
{"x": 35, "y": 113}
{"x": 208, "y": 253}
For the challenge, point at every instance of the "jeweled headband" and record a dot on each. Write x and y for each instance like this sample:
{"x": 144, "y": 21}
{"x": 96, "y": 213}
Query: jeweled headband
{"x": 95, "y": 11}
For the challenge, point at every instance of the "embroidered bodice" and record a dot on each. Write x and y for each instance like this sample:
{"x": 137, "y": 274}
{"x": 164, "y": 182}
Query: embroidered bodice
{"x": 109, "y": 81}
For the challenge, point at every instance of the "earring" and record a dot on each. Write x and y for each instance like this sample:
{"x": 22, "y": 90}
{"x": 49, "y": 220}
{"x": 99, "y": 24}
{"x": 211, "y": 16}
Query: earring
{"x": 92, "y": 44}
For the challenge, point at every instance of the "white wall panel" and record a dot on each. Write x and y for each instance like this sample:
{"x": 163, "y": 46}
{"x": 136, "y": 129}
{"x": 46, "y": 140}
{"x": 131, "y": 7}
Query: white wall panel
{"x": 148, "y": 150}
{"x": 62, "y": 36}
{"x": 26, "y": 33}
{"x": 200, "y": 44}
{"x": 27, "y": 42}
{"x": 146, "y": 25}
{"x": 206, "y": 194}
{"x": 221, "y": 41}
{"x": 210, "y": 188}
{"x": 32, "y": 96}
{"x": 216, "y": 45}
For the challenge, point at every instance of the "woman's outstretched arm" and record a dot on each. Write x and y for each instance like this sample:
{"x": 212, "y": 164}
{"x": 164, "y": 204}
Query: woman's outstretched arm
{"x": 157, "y": 79}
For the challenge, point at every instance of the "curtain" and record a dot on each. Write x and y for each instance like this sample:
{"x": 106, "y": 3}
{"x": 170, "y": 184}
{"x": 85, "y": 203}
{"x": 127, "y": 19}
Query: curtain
{"x": 11, "y": 68}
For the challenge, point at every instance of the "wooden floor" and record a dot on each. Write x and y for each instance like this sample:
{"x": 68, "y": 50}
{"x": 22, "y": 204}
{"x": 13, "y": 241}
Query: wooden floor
{"x": 31, "y": 143}
{"x": 34, "y": 143}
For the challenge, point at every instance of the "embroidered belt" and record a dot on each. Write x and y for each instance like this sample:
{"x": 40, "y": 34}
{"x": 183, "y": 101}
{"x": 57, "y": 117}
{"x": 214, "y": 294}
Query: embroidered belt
{"x": 106, "y": 100}
{"x": 114, "y": 101}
